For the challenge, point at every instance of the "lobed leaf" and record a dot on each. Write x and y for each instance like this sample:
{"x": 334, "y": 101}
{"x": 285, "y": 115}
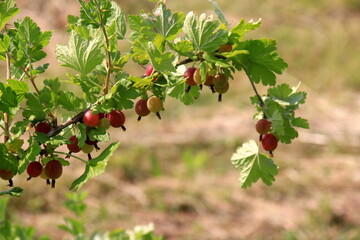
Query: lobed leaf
{"x": 94, "y": 167}
{"x": 15, "y": 192}
{"x": 262, "y": 61}
{"x": 253, "y": 165}
{"x": 8, "y": 10}
{"x": 81, "y": 54}
{"x": 203, "y": 32}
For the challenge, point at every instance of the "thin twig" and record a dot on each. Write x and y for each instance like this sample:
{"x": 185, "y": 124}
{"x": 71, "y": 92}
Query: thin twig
{"x": 108, "y": 56}
{"x": 261, "y": 102}
{"x": 32, "y": 80}
{"x": 55, "y": 131}
{"x": 6, "y": 115}
{"x": 185, "y": 61}
{"x": 68, "y": 154}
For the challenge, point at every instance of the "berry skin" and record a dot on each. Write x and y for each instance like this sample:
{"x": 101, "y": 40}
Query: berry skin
{"x": 222, "y": 89}
{"x": 116, "y": 118}
{"x": 34, "y": 169}
{"x": 141, "y": 108}
{"x": 220, "y": 80}
{"x": 104, "y": 123}
{"x": 189, "y": 75}
{"x": 43, "y": 174}
{"x": 269, "y": 142}
{"x": 87, "y": 148}
{"x": 209, "y": 80}
{"x": 53, "y": 169}
{"x": 101, "y": 115}
{"x": 6, "y": 174}
{"x": 263, "y": 126}
{"x": 197, "y": 76}
{"x": 91, "y": 120}
{"x": 154, "y": 104}
{"x": 74, "y": 146}
{"x": 43, "y": 127}
{"x": 88, "y": 141}
{"x": 150, "y": 71}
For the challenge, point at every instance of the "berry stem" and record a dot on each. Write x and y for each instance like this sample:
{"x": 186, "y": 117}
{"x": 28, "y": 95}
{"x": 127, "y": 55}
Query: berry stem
{"x": 6, "y": 115}
{"x": 55, "y": 131}
{"x": 32, "y": 80}
{"x": 108, "y": 56}
{"x": 68, "y": 154}
{"x": 262, "y": 104}
{"x": 185, "y": 61}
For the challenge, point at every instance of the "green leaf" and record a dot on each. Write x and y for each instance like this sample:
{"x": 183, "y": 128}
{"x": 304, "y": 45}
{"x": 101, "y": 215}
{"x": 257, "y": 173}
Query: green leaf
{"x": 219, "y": 13}
{"x": 183, "y": 48}
{"x": 8, "y": 9}
{"x": 30, "y": 155}
{"x": 120, "y": 20}
{"x": 70, "y": 102}
{"x": 165, "y": 22}
{"x": 30, "y": 41}
{"x": 300, "y": 122}
{"x": 89, "y": 85}
{"x": 253, "y": 165}
{"x": 19, "y": 127}
{"x": 188, "y": 98}
{"x": 15, "y": 192}
{"x": 139, "y": 54}
{"x": 5, "y": 42}
{"x": 161, "y": 61}
{"x": 99, "y": 134}
{"x": 9, "y": 162}
{"x": 237, "y": 33}
{"x": 203, "y": 32}
{"x": 277, "y": 122}
{"x": 262, "y": 62}
{"x": 284, "y": 95}
{"x": 95, "y": 167}
{"x": 14, "y": 145}
{"x": 123, "y": 97}
{"x": 34, "y": 107}
{"x": 81, "y": 54}
{"x": 75, "y": 203}
{"x": 19, "y": 87}
{"x": 8, "y": 99}
{"x": 82, "y": 134}
{"x": 217, "y": 61}
{"x": 73, "y": 226}
{"x": 30, "y": 33}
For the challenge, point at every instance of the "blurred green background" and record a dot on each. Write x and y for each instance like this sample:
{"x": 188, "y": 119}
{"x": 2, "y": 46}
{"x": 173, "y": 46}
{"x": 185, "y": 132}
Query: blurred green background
{"x": 177, "y": 173}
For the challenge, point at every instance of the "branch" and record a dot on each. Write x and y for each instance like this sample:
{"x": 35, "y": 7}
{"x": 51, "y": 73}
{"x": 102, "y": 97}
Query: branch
{"x": 55, "y": 131}
{"x": 262, "y": 104}
{"x": 32, "y": 80}
{"x": 108, "y": 56}
{"x": 185, "y": 61}
{"x": 6, "y": 115}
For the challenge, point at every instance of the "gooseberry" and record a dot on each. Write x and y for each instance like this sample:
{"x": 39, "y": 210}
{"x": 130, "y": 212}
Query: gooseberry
{"x": 74, "y": 145}
{"x": 269, "y": 142}
{"x": 43, "y": 127}
{"x": 263, "y": 126}
{"x": 90, "y": 119}
{"x": 116, "y": 118}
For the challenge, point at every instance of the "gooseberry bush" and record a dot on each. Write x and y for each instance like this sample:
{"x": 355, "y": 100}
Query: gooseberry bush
{"x": 182, "y": 55}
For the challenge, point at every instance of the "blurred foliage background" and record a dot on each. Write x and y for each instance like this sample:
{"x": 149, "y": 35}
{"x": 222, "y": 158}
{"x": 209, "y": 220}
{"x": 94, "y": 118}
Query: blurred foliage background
{"x": 177, "y": 173}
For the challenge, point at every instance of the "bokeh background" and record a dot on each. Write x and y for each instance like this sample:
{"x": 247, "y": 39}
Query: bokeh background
{"x": 177, "y": 173}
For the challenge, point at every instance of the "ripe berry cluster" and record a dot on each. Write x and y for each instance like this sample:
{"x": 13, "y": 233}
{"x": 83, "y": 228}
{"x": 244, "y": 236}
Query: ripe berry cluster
{"x": 268, "y": 140}
{"x": 217, "y": 81}
{"x": 115, "y": 119}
